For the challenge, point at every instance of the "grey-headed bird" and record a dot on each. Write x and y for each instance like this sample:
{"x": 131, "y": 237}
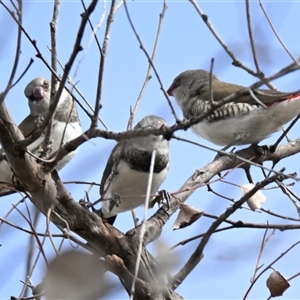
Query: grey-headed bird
{"x": 124, "y": 182}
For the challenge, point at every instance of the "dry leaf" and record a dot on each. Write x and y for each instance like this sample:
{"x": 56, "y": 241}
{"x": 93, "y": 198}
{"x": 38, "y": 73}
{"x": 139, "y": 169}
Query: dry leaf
{"x": 187, "y": 216}
{"x": 277, "y": 284}
{"x": 255, "y": 201}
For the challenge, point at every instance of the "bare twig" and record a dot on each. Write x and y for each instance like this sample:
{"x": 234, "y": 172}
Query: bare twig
{"x": 276, "y": 34}
{"x": 278, "y": 215}
{"x": 249, "y": 26}
{"x": 109, "y": 22}
{"x": 77, "y": 48}
{"x": 150, "y": 62}
{"x": 3, "y": 220}
{"x": 53, "y": 31}
{"x": 285, "y": 132}
{"x": 235, "y": 61}
{"x": 235, "y": 225}
{"x": 70, "y": 81}
{"x": 197, "y": 255}
{"x": 148, "y": 75}
{"x": 46, "y": 146}
{"x": 143, "y": 227}
{"x": 32, "y": 41}
{"x": 261, "y": 250}
{"x": 211, "y": 94}
{"x": 268, "y": 267}
{"x": 31, "y": 248}
{"x": 230, "y": 154}
{"x": 49, "y": 232}
{"x": 92, "y": 27}
{"x": 93, "y": 36}
{"x": 74, "y": 86}
{"x": 292, "y": 196}
{"x": 19, "y": 12}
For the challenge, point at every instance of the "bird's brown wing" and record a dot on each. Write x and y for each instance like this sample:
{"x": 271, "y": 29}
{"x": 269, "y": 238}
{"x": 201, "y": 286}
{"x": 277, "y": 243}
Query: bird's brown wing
{"x": 221, "y": 91}
{"x": 27, "y": 127}
{"x": 109, "y": 165}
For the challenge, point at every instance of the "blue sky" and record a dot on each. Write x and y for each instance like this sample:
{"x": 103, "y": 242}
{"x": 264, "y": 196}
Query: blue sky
{"x": 185, "y": 43}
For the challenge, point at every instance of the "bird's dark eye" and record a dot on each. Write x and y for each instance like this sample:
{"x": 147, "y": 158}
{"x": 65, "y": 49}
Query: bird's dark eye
{"x": 177, "y": 81}
{"x": 46, "y": 84}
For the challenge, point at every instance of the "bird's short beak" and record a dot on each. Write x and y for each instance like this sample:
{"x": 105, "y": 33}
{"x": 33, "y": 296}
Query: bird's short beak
{"x": 38, "y": 93}
{"x": 170, "y": 90}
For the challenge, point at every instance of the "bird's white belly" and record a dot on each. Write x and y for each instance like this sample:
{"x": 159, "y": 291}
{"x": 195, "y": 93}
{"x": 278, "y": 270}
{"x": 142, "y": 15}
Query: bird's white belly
{"x": 250, "y": 128}
{"x": 72, "y": 131}
{"x": 131, "y": 185}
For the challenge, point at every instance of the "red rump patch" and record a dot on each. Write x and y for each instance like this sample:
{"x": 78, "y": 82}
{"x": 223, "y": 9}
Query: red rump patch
{"x": 291, "y": 97}
{"x": 294, "y": 96}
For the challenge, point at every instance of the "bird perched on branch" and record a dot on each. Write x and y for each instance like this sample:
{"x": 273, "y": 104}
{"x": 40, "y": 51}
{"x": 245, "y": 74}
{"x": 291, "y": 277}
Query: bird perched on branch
{"x": 65, "y": 126}
{"x": 125, "y": 178}
{"x": 246, "y": 120}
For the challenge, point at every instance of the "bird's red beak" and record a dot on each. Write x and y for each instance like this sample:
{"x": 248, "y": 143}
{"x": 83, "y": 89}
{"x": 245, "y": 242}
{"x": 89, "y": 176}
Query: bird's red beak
{"x": 170, "y": 90}
{"x": 38, "y": 93}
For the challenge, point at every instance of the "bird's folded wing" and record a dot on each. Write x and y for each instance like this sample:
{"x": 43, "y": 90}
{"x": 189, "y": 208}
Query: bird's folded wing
{"x": 221, "y": 91}
{"x": 110, "y": 165}
{"x": 27, "y": 127}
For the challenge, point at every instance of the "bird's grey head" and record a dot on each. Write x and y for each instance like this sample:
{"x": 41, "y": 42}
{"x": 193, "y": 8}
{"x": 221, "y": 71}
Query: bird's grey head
{"x": 151, "y": 122}
{"x": 189, "y": 84}
{"x": 37, "y": 92}
{"x": 152, "y": 141}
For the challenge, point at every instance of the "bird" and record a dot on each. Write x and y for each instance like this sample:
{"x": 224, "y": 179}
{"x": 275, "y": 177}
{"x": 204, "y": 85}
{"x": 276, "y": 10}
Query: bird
{"x": 65, "y": 127}
{"x": 125, "y": 178}
{"x": 243, "y": 121}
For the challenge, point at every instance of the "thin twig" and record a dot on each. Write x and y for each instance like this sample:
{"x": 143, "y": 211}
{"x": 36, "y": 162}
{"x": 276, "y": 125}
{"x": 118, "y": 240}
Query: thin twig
{"x": 148, "y": 74}
{"x": 143, "y": 227}
{"x": 249, "y": 26}
{"x": 46, "y": 146}
{"x": 93, "y": 36}
{"x": 32, "y": 41}
{"x": 55, "y": 156}
{"x": 285, "y": 132}
{"x": 233, "y": 155}
{"x": 150, "y": 62}
{"x": 3, "y": 220}
{"x": 211, "y": 92}
{"x": 268, "y": 267}
{"x": 48, "y": 219}
{"x": 278, "y": 215}
{"x": 235, "y": 61}
{"x": 77, "y": 48}
{"x": 109, "y": 22}
{"x": 261, "y": 250}
{"x": 74, "y": 86}
{"x": 197, "y": 255}
{"x": 276, "y": 34}
{"x": 92, "y": 28}
{"x": 19, "y": 12}
{"x": 31, "y": 249}
{"x": 235, "y": 225}
{"x": 292, "y": 196}
{"x": 37, "y": 239}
